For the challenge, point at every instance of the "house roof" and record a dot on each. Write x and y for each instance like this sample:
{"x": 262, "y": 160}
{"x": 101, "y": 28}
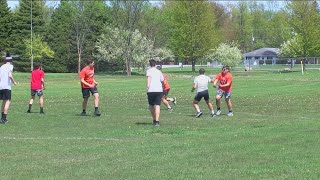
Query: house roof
{"x": 270, "y": 52}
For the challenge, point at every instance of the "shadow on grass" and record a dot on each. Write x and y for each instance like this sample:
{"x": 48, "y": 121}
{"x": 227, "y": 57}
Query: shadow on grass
{"x": 143, "y": 123}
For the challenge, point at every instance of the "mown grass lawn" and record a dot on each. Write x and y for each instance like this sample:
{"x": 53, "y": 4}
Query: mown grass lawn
{"x": 274, "y": 133}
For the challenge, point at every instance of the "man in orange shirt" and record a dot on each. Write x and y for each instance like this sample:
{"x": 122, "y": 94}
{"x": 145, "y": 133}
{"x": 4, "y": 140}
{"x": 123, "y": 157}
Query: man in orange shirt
{"x": 89, "y": 85}
{"x": 225, "y": 89}
{"x": 166, "y": 88}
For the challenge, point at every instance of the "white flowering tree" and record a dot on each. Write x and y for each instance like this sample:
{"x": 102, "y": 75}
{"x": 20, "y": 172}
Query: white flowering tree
{"x": 122, "y": 46}
{"x": 161, "y": 54}
{"x": 226, "y": 54}
{"x": 291, "y": 48}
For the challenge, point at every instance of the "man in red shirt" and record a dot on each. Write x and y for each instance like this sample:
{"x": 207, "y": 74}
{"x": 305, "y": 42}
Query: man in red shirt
{"x": 166, "y": 88}
{"x": 37, "y": 86}
{"x": 89, "y": 85}
{"x": 225, "y": 89}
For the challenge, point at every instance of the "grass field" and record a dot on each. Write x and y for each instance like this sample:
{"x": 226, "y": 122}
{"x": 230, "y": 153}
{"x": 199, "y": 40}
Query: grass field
{"x": 274, "y": 133}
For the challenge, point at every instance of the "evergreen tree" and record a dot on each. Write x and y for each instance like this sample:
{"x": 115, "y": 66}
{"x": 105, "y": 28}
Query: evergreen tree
{"x": 22, "y": 29}
{"x": 5, "y": 26}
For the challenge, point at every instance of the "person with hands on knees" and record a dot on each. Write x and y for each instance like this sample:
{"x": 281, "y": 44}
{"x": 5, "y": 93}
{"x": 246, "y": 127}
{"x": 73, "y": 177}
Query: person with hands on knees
{"x": 89, "y": 85}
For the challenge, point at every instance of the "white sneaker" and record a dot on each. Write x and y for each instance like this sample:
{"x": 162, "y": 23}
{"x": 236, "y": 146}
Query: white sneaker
{"x": 230, "y": 114}
{"x": 174, "y": 100}
{"x": 218, "y": 112}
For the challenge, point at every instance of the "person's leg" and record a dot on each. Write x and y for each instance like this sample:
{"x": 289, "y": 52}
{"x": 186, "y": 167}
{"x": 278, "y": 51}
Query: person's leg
{"x": 157, "y": 112}
{"x": 197, "y": 108}
{"x": 210, "y": 106}
{"x": 2, "y": 109}
{"x": 218, "y": 102}
{"x": 85, "y": 95}
{"x": 30, "y": 103}
{"x": 6, "y": 105}
{"x": 152, "y": 111}
{"x": 84, "y": 105}
{"x": 96, "y": 104}
{"x": 41, "y": 103}
{"x": 165, "y": 102}
{"x": 229, "y": 105}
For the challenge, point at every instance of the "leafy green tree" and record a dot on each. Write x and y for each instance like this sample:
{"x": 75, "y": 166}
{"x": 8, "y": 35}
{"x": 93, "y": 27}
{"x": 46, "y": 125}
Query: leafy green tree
{"x": 5, "y": 26}
{"x": 191, "y": 29}
{"x": 305, "y": 22}
{"x": 39, "y": 48}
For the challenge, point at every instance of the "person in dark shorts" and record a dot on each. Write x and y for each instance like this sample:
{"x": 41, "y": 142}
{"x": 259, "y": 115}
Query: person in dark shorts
{"x": 154, "y": 91}
{"x": 201, "y": 85}
{"x": 6, "y": 78}
{"x": 37, "y": 86}
{"x": 89, "y": 85}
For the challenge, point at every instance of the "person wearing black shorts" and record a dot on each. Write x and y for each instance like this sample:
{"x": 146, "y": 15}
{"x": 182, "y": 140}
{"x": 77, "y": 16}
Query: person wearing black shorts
{"x": 6, "y": 78}
{"x": 154, "y": 91}
{"x": 201, "y": 85}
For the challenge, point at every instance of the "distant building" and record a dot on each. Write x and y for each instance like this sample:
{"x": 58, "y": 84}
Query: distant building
{"x": 261, "y": 56}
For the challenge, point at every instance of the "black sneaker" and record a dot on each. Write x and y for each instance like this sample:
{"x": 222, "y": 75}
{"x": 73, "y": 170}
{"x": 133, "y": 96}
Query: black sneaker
{"x": 41, "y": 112}
{"x": 97, "y": 113}
{"x": 157, "y": 123}
{"x": 4, "y": 121}
{"x": 83, "y": 114}
{"x": 198, "y": 114}
{"x": 29, "y": 111}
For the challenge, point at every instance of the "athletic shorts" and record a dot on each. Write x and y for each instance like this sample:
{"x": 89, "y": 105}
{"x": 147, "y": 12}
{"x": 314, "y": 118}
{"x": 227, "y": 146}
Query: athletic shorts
{"x": 39, "y": 92}
{"x": 154, "y": 98}
{"x": 202, "y": 94}
{"x": 166, "y": 92}
{"x": 222, "y": 93}
{"x": 86, "y": 91}
{"x": 5, "y": 94}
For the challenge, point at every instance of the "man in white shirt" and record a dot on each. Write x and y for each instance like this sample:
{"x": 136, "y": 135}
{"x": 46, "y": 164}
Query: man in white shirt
{"x": 154, "y": 91}
{"x": 201, "y": 84}
{"x": 6, "y": 78}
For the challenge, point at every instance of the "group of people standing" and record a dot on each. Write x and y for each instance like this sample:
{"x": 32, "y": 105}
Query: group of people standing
{"x": 157, "y": 91}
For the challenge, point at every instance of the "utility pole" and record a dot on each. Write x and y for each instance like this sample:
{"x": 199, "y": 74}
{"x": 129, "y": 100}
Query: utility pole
{"x": 31, "y": 37}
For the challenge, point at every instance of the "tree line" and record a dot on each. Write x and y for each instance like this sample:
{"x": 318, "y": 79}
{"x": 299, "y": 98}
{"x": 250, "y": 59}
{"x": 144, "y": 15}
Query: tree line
{"x": 123, "y": 34}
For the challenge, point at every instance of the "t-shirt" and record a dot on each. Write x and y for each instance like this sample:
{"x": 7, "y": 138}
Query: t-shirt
{"x": 156, "y": 78}
{"x": 202, "y": 82}
{"x": 35, "y": 81}
{"x": 224, "y": 79}
{"x": 166, "y": 85}
{"x": 5, "y": 81}
{"x": 87, "y": 73}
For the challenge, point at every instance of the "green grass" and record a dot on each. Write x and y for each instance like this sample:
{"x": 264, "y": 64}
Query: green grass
{"x": 274, "y": 133}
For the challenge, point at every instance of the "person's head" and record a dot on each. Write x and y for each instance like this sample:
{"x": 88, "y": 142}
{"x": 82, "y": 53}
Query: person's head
{"x": 225, "y": 69}
{"x": 90, "y": 62}
{"x": 8, "y": 57}
{"x": 202, "y": 71}
{"x": 37, "y": 65}
{"x": 152, "y": 62}
{"x": 159, "y": 68}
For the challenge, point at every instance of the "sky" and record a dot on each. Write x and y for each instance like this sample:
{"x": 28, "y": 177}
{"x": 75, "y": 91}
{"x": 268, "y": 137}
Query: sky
{"x": 13, "y": 3}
